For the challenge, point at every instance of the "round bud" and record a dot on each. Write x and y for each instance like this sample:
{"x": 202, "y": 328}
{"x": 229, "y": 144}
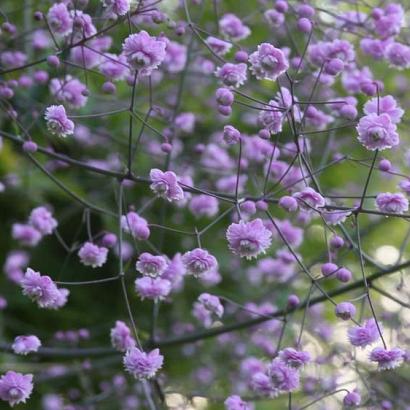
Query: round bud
{"x": 199, "y": 148}
{"x": 304, "y": 25}
{"x": 344, "y": 275}
{"x": 224, "y": 96}
{"x": 38, "y": 15}
{"x": 12, "y": 83}
{"x": 109, "y": 240}
{"x": 345, "y": 310}
{"x": 385, "y": 165}
{"x": 158, "y": 17}
{"x": 295, "y": 62}
{"x": 248, "y": 207}
{"x": 109, "y": 88}
{"x": 264, "y": 134}
{"x": 241, "y": 56}
{"x": 53, "y": 61}
{"x": 328, "y": 268}
{"x": 336, "y": 242}
{"x": 306, "y": 11}
{"x": 180, "y": 30}
{"x": 281, "y": 6}
{"x": 288, "y": 203}
{"x": 261, "y": 205}
{"x": 25, "y": 81}
{"x": 30, "y": 146}
{"x": 293, "y": 301}
{"x": 224, "y": 110}
{"x": 40, "y": 76}
{"x": 166, "y": 147}
{"x": 9, "y": 28}
{"x": 85, "y": 93}
{"x": 377, "y": 13}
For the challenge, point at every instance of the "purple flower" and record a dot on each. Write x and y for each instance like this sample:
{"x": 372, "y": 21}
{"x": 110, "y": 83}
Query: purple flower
{"x": 345, "y": 310}
{"x": 42, "y": 220}
{"x": 283, "y": 377}
{"x": 198, "y": 262}
{"x": 143, "y": 52}
{"x": 271, "y": 117}
{"x": 121, "y": 337}
{"x": 387, "y": 359}
{"x": 395, "y": 203}
{"x": 43, "y": 290}
{"x": 384, "y": 105}
{"x": 83, "y": 26}
{"x": 309, "y": 199}
{"x": 26, "y": 344}
{"x": 165, "y": 184}
{"x": 93, "y": 255}
{"x": 15, "y": 387}
{"x": 232, "y": 75}
{"x": 248, "y": 239}
{"x": 232, "y": 27}
{"x": 26, "y": 234}
{"x": 268, "y": 62}
{"x": 143, "y": 365}
{"x": 234, "y": 402}
{"x": 175, "y": 57}
{"x": 274, "y": 18}
{"x": 204, "y": 205}
{"x": 119, "y": 7}
{"x": 389, "y": 21}
{"x": 69, "y": 90}
{"x": 136, "y": 225}
{"x": 231, "y": 135}
{"x": 398, "y": 55}
{"x": 151, "y": 265}
{"x": 59, "y": 19}
{"x": 374, "y": 47}
{"x": 12, "y": 59}
{"x": 218, "y": 46}
{"x": 114, "y": 67}
{"x": 262, "y": 384}
{"x": 365, "y": 335}
{"x": 352, "y": 399}
{"x": 294, "y": 358}
{"x": 152, "y": 288}
{"x": 212, "y": 304}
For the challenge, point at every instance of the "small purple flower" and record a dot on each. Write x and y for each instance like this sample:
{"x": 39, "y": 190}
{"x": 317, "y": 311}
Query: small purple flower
{"x": 271, "y": 117}
{"x": 15, "y": 387}
{"x": 153, "y": 288}
{"x": 387, "y": 359}
{"x": 398, "y": 55}
{"x": 204, "y": 205}
{"x": 268, "y": 62}
{"x": 395, "y": 203}
{"x": 121, "y": 337}
{"x": 262, "y": 384}
{"x": 43, "y": 290}
{"x": 59, "y": 19}
{"x": 114, "y": 67}
{"x": 345, "y": 310}
{"x": 283, "y": 377}
{"x": 69, "y": 90}
{"x": 119, "y": 7}
{"x": 42, "y": 220}
{"x": 26, "y": 344}
{"x": 212, "y": 304}
{"x": 309, "y": 199}
{"x": 288, "y": 203}
{"x": 377, "y": 132}
{"x": 143, "y": 365}
{"x": 248, "y": 239}
{"x": 165, "y": 184}
{"x": 236, "y": 403}
{"x": 175, "y": 57}
{"x": 233, "y": 28}
{"x": 365, "y": 335}
{"x": 93, "y": 255}
{"x": 218, "y": 46}
{"x": 293, "y": 357}
{"x": 352, "y": 399}
{"x": 198, "y": 262}
{"x": 136, "y": 225}
{"x": 151, "y": 265}
{"x": 231, "y": 135}
{"x": 232, "y": 75}
{"x": 384, "y": 105}
{"x": 26, "y": 234}
{"x": 144, "y": 52}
